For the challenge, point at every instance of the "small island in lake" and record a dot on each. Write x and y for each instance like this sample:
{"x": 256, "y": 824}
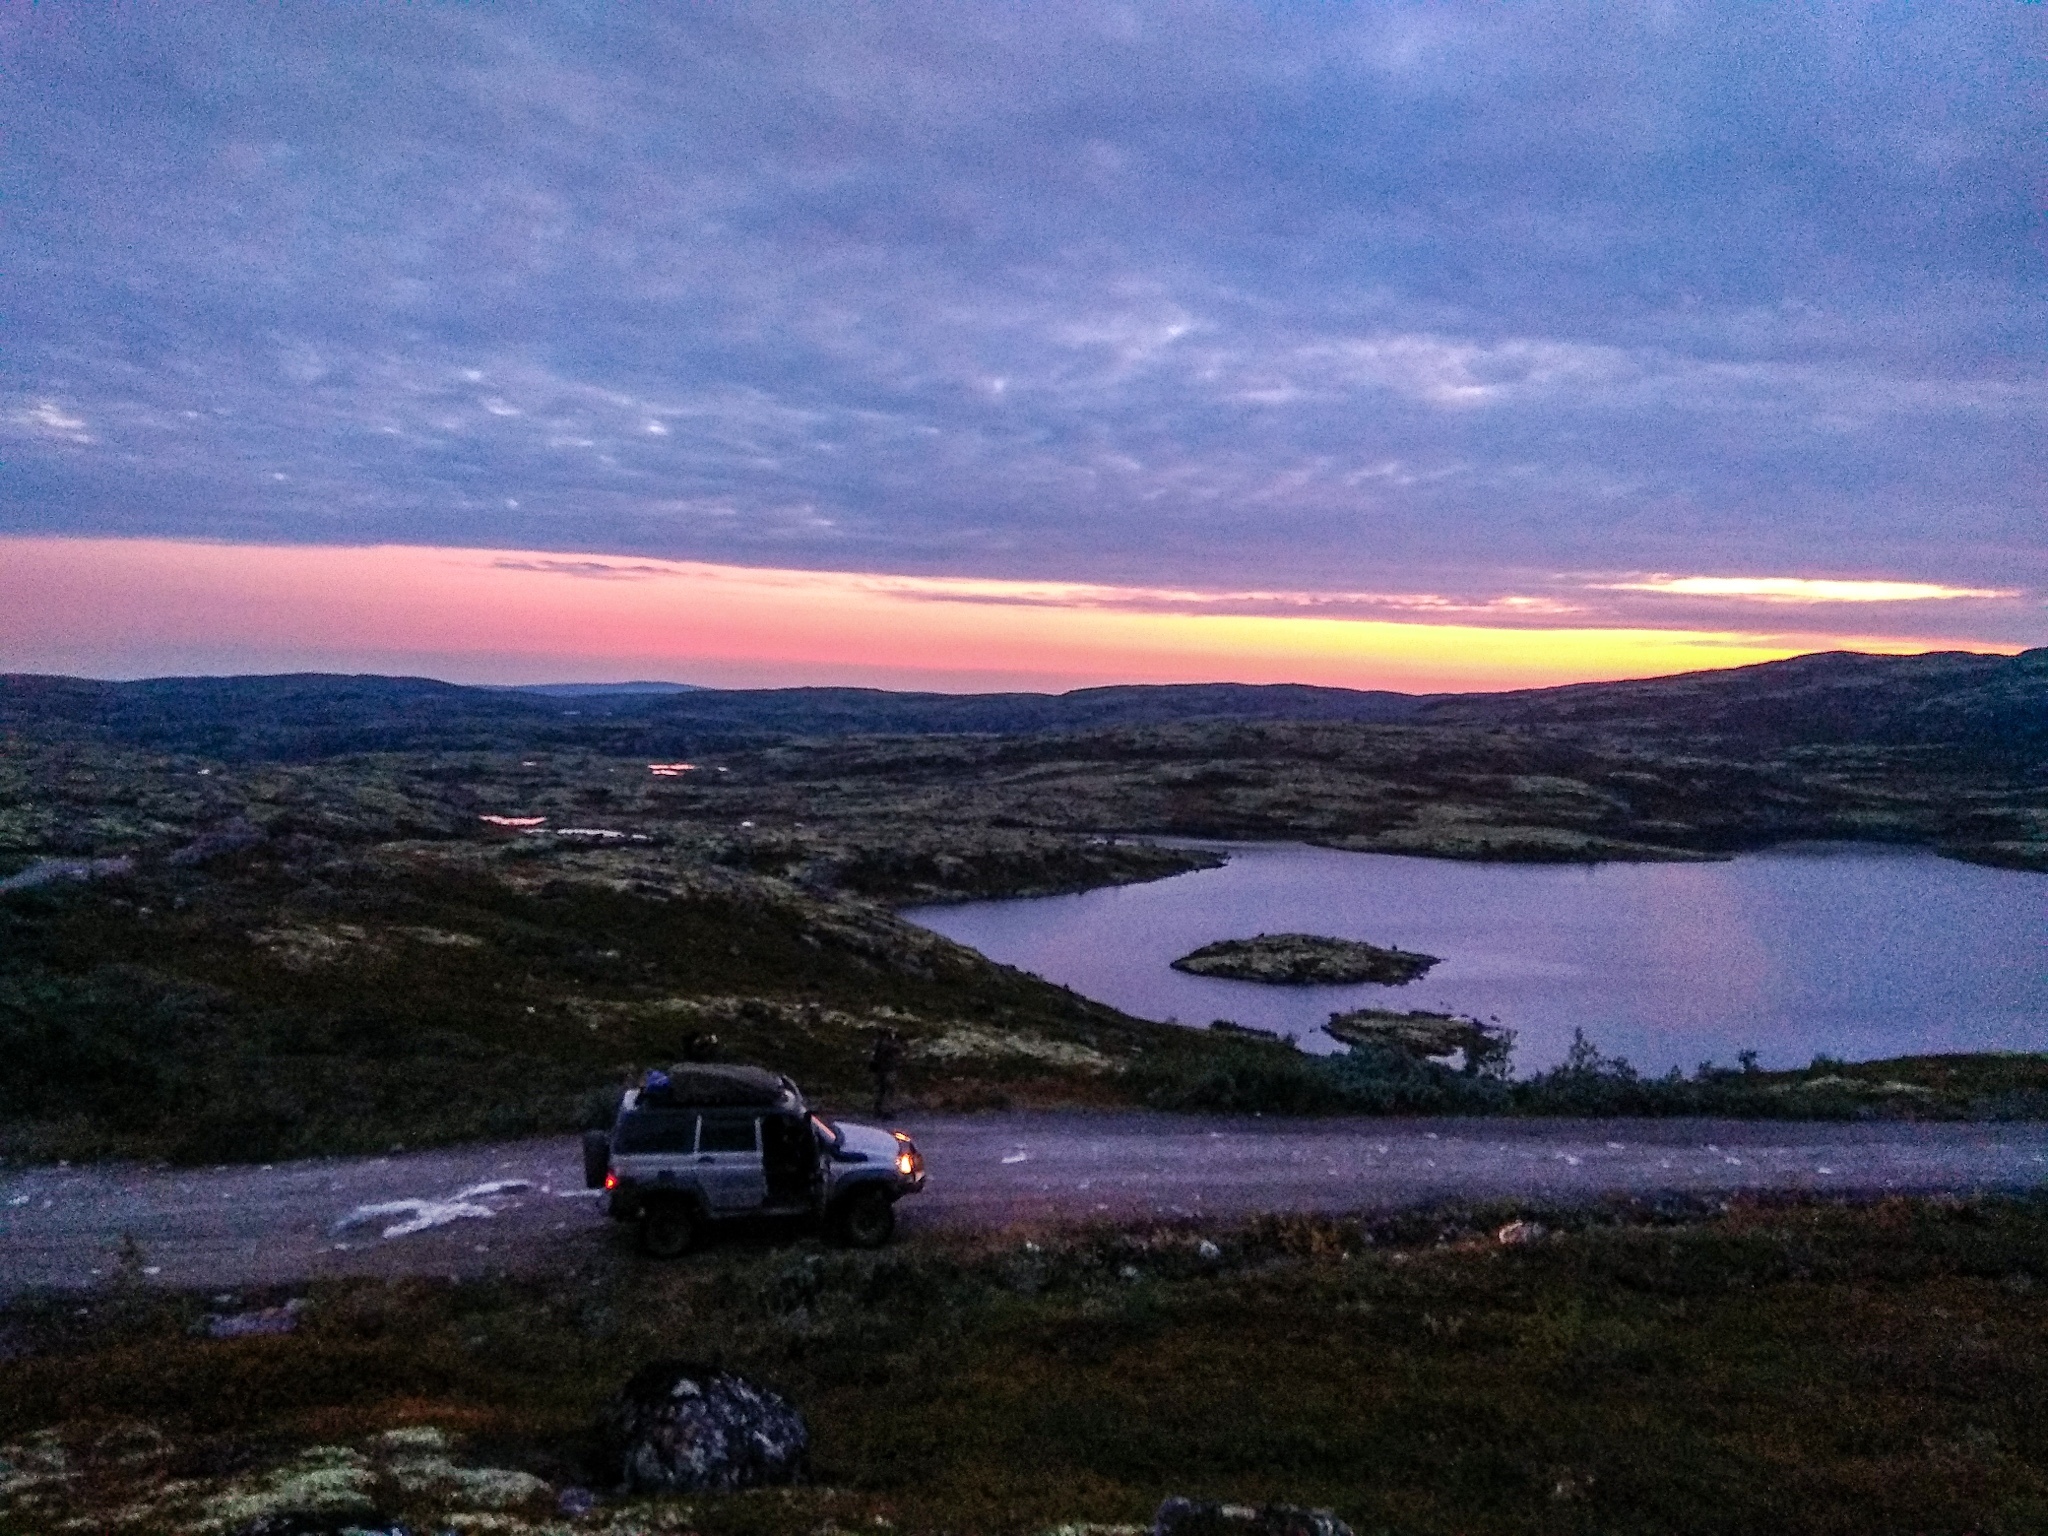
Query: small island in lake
{"x": 1304, "y": 959}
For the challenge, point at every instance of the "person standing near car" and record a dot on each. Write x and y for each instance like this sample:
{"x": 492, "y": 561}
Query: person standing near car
{"x": 885, "y": 1062}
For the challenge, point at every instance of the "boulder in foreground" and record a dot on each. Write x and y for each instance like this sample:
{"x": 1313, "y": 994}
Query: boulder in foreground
{"x": 683, "y": 1428}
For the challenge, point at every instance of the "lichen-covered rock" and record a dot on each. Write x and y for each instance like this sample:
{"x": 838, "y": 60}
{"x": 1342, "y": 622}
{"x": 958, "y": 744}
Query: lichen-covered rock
{"x": 324, "y": 1480}
{"x": 1207, "y": 1517}
{"x": 33, "y": 1463}
{"x": 418, "y": 1463}
{"x": 332, "y": 1491}
{"x": 683, "y": 1428}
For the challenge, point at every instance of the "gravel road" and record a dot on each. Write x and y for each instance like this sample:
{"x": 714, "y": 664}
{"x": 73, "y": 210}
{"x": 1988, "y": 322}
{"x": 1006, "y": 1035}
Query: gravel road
{"x": 518, "y": 1205}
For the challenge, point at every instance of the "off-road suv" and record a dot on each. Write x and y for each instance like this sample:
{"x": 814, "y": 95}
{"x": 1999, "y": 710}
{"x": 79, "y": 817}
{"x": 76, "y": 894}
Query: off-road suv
{"x": 713, "y": 1143}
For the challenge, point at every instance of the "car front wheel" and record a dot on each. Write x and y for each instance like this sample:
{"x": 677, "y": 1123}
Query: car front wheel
{"x": 868, "y": 1219}
{"x": 667, "y": 1231}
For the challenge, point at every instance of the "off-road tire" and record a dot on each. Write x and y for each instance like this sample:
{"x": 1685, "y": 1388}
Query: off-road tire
{"x": 668, "y": 1230}
{"x": 867, "y": 1219}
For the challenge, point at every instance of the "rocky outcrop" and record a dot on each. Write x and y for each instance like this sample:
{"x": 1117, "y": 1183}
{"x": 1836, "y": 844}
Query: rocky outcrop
{"x": 1424, "y": 1036}
{"x": 1206, "y": 1517}
{"x": 1304, "y": 959}
{"x": 683, "y": 1428}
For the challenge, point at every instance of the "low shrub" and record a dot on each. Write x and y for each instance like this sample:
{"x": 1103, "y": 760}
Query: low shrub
{"x": 1250, "y": 1076}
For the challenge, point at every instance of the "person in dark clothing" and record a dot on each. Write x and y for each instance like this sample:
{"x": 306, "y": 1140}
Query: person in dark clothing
{"x": 700, "y": 1047}
{"x": 885, "y": 1063}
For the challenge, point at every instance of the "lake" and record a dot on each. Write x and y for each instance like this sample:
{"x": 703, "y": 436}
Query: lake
{"x": 1849, "y": 950}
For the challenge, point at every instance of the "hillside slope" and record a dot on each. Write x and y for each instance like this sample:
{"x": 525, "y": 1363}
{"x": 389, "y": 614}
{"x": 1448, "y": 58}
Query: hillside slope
{"x": 1950, "y": 698}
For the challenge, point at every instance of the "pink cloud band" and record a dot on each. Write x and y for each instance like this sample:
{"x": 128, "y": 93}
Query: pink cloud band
{"x": 142, "y": 607}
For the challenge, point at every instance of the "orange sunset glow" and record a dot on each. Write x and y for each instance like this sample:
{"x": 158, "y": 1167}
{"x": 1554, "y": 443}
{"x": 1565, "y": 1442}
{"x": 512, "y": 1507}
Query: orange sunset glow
{"x": 115, "y": 607}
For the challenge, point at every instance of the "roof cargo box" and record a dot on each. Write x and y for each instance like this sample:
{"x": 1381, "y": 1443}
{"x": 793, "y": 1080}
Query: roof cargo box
{"x": 698, "y": 1086}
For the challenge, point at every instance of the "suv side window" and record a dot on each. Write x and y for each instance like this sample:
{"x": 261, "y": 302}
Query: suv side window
{"x": 656, "y": 1131}
{"x": 727, "y": 1134}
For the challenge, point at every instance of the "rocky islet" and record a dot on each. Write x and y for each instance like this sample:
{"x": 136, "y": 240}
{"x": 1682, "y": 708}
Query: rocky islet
{"x": 1305, "y": 960}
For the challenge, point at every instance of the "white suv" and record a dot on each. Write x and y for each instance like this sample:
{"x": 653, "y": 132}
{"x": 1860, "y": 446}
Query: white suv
{"x": 711, "y": 1143}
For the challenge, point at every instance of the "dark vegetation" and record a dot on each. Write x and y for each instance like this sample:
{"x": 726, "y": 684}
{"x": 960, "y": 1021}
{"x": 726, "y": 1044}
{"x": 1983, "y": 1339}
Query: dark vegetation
{"x": 293, "y": 942}
{"x": 1304, "y": 959}
{"x": 299, "y": 718}
{"x": 1709, "y": 1369}
{"x": 1247, "y": 1074}
{"x": 416, "y": 992}
{"x": 1986, "y": 706}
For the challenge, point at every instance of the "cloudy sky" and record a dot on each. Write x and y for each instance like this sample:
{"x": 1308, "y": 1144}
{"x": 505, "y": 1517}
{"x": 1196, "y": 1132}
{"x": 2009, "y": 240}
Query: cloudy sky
{"x": 1716, "y": 322}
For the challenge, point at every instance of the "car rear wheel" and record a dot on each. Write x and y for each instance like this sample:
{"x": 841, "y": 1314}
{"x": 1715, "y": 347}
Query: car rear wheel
{"x": 668, "y": 1230}
{"x": 597, "y": 1157}
{"x": 868, "y": 1219}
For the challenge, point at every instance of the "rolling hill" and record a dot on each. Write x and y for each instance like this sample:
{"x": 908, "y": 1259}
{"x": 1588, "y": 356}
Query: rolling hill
{"x": 1980, "y": 704}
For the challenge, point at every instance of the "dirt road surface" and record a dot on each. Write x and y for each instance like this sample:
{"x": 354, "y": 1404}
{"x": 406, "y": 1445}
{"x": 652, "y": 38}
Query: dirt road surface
{"x": 520, "y": 1205}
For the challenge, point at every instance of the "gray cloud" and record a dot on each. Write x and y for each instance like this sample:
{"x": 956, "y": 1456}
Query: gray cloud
{"x": 1396, "y": 298}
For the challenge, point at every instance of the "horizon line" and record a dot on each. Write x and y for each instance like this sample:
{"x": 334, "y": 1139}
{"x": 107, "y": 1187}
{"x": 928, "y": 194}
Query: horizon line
{"x": 130, "y": 609}
{"x": 651, "y": 685}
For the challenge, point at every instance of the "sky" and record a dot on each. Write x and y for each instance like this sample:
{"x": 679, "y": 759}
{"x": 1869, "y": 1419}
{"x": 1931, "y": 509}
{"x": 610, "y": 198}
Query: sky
{"x": 978, "y": 345}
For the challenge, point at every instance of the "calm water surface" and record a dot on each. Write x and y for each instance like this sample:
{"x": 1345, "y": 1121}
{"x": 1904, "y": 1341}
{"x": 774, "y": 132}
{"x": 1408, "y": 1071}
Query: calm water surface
{"x": 1851, "y": 950}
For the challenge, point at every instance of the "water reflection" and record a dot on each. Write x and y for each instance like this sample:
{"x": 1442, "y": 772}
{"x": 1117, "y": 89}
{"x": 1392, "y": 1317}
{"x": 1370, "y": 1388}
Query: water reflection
{"x": 1848, "y": 950}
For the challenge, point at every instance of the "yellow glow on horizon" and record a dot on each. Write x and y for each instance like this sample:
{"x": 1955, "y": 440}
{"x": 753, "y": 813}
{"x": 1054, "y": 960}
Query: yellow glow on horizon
{"x": 137, "y": 607}
{"x": 1801, "y": 589}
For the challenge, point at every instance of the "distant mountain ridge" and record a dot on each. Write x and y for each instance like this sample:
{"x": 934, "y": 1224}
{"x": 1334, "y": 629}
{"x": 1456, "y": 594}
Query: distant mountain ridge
{"x": 592, "y": 690}
{"x": 1994, "y": 704}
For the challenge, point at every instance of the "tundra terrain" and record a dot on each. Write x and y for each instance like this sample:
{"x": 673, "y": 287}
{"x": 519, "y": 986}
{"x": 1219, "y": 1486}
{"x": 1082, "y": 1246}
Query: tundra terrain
{"x": 261, "y": 917}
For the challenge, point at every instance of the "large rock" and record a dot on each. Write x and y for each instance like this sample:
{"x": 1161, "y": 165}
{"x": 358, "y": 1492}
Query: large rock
{"x": 1207, "y": 1517}
{"x": 683, "y": 1428}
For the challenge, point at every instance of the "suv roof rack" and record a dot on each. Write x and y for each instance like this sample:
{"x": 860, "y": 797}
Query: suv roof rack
{"x": 701, "y": 1086}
